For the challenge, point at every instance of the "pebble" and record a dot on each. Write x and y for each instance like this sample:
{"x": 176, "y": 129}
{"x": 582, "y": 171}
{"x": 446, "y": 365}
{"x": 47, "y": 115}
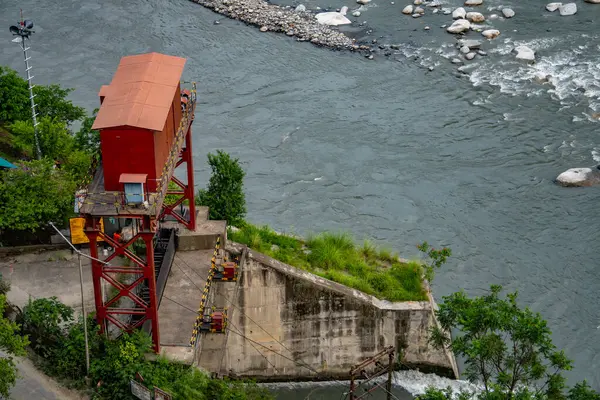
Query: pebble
{"x": 356, "y": 14}
{"x": 416, "y": 15}
{"x": 430, "y": 68}
{"x": 216, "y": 22}
{"x": 408, "y": 10}
{"x": 553, "y": 6}
{"x": 435, "y": 11}
{"x": 427, "y": 28}
{"x": 263, "y": 29}
{"x": 370, "y": 56}
{"x": 508, "y": 13}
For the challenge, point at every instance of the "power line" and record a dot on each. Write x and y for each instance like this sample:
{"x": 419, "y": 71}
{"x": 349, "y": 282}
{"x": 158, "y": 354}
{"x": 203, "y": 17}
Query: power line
{"x": 186, "y": 307}
{"x": 265, "y": 357}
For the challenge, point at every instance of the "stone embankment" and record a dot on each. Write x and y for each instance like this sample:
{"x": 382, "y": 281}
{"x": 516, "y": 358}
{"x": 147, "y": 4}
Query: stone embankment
{"x": 301, "y": 24}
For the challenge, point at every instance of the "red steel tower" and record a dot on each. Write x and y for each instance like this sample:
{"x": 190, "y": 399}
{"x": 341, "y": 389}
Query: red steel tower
{"x": 145, "y": 122}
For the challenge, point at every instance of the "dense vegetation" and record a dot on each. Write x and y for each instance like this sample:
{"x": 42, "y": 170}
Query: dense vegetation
{"x": 507, "y": 349}
{"x": 41, "y": 190}
{"x": 58, "y": 340}
{"x": 335, "y": 256}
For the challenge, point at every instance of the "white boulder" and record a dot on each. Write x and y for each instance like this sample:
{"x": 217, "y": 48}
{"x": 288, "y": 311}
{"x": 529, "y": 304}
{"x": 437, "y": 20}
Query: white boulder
{"x": 333, "y": 18}
{"x": 470, "y": 56}
{"x": 567, "y": 9}
{"x": 459, "y": 26}
{"x": 471, "y": 3}
{"x": 508, "y": 12}
{"x": 524, "y": 53}
{"x": 408, "y": 10}
{"x": 553, "y": 6}
{"x": 579, "y": 177}
{"x": 465, "y": 49}
{"x": 491, "y": 33}
{"x": 475, "y": 17}
{"x": 300, "y": 8}
{"x": 459, "y": 13}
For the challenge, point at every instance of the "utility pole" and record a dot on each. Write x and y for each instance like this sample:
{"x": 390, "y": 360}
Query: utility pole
{"x": 85, "y": 331}
{"x": 22, "y": 30}
{"x": 378, "y": 370}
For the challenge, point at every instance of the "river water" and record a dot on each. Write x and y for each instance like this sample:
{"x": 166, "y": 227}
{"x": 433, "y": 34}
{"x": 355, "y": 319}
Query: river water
{"x": 385, "y": 147}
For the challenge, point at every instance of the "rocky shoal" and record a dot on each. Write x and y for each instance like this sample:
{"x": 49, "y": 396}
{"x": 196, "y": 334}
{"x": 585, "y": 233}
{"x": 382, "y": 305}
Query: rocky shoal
{"x": 273, "y": 18}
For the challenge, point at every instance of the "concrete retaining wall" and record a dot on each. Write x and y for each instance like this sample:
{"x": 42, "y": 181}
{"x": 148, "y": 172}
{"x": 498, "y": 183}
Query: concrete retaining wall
{"x": 289, "y": 324}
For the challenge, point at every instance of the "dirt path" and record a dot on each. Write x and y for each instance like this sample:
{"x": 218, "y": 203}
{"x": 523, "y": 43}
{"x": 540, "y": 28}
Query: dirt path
{"x": 34, "y": 384}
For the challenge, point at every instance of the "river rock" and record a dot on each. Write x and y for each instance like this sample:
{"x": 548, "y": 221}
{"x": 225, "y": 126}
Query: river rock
{"x": 465, "y": 49}
{"x": 435, "y": 3}
{"x": 419, "y": 10}
{"x": 491, "y": 33}
{"x": 592, "y": 1}
{"x": 524, "y": 53}
{"x": 459, "y": 26}
{"x": 553, "y": 6}
{"x": 356, "y": 14}
{"x": 493, "y": 17}
{"x": 470, "y": 43}
{"x": 408, "y": 10}
{"x": 471, "y": 3}
{"x": 470, "y": 56}
{"x": 459, "y": 13}
{"x": 418, "y": 2}
{"x": 456, "y": 61}
{"x": 263, "y": 29}
{"x": 415, "y": 15}
{"x": 575, "y": 177}
{"x": 446, "y": 11}
{"x": 567, "y": 9}
{"x": 508, "y": 12}
{"x": 481, "y": 53}
{"x": 300, "y": 8}
{"x": 475, "y": 17}
{"x": 363, "y": 1}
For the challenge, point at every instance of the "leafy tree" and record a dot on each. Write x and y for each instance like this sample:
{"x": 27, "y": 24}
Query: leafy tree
{"x": 34, "y": 194}
{"x": 437, "y": 258}
{"x": 507, "y": 348}
{"x": 44, "y": 320}
{"x": 51, "y": 100}
{"x": 13, "y": 344}
{"x": 87, "y": 139}
{"x": 225, "y": 193}
{"x": 583, "y": 391}
{"x": 14, "y": 96}
{"x": 56, "y": 142}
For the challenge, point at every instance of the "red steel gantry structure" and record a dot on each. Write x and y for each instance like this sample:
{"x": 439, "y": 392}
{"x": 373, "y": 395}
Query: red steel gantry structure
{"x": 145, "y": 123}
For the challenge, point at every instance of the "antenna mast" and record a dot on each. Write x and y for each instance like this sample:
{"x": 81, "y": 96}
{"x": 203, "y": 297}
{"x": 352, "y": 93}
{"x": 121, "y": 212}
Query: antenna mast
{"x": 22, "y": 30}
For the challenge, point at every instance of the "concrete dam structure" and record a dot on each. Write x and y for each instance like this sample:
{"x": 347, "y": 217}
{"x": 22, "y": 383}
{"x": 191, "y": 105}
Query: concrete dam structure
{"x": 284, "y": 323}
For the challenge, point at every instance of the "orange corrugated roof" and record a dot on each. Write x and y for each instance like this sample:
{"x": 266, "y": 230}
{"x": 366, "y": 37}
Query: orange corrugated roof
{"x": 141, "y": 92}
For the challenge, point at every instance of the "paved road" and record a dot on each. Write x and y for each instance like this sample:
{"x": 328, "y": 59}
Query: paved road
{"x": 33, "y": 384}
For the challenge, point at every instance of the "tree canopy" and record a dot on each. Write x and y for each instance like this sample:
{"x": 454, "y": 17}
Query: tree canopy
{"x": 35, "y": 194}
{"x": 506, "y": 348}
{"x": 225, "y": 192}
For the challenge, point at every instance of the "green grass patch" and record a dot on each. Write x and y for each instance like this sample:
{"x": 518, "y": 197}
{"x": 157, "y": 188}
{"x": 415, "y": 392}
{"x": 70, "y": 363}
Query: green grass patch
{"x": 335, "y": 256}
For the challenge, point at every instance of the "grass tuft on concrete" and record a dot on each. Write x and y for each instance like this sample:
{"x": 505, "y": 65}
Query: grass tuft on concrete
{"x": 336, "y": 257}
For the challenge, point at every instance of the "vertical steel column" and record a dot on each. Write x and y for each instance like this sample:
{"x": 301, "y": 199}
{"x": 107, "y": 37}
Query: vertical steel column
{"x": 188, "y": 154}
{"x": 390, "y": 374}
{"x": 152, "y": 312}
{"x": 97, "y": 267}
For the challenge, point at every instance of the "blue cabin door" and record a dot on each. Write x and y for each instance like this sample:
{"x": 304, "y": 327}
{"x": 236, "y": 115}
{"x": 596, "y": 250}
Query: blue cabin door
{"x": 134, "y": 193}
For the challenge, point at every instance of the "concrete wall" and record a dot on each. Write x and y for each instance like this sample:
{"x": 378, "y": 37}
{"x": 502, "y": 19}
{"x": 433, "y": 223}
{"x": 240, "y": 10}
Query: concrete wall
{"x": 312, "y": 322}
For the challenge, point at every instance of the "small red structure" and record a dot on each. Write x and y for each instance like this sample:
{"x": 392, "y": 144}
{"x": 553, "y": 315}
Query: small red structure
{"x": 145, "y": 133}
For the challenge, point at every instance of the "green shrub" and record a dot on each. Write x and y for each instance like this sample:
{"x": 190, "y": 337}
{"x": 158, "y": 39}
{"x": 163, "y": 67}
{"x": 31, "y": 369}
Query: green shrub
{"x": 225, "y": 192}
{"x": 44, "y": 321}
